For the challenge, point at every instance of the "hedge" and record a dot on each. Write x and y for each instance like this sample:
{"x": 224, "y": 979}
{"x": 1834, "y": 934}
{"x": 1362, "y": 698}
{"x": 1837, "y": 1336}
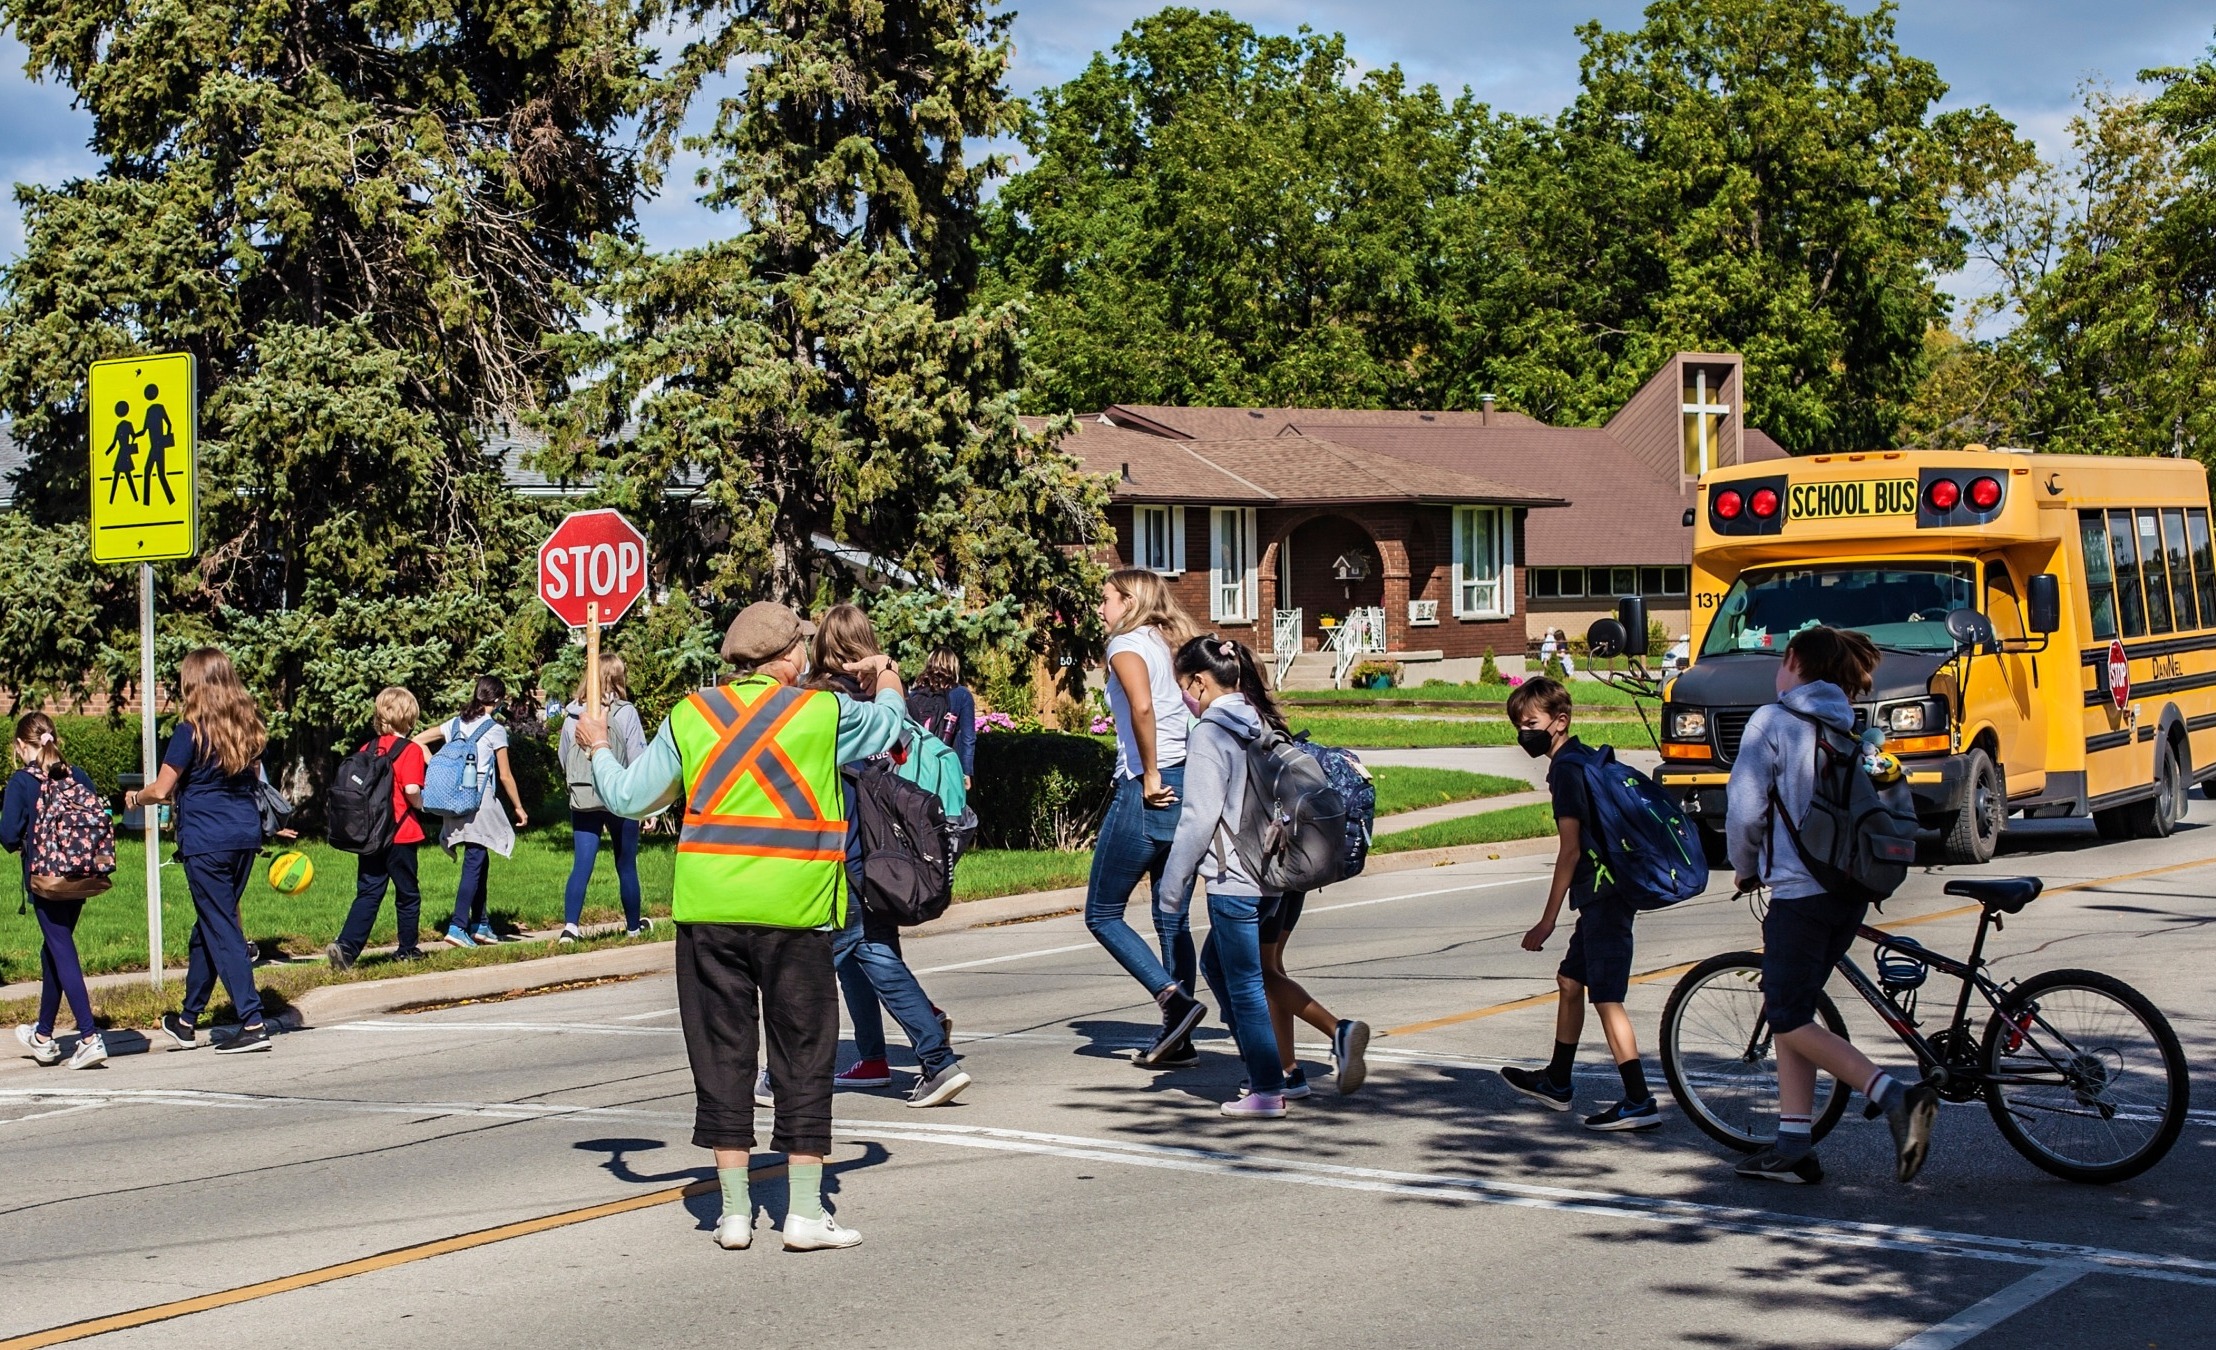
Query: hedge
{"x": 1041, "y": 789}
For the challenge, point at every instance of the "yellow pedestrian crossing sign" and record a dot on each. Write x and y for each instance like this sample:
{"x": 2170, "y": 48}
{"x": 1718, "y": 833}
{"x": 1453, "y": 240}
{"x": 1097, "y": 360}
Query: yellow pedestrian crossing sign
{"x": 145, "y": 491}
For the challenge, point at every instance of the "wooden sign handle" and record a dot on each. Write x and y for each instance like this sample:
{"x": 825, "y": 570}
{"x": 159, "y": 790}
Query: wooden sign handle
{"x": 592, "y": 659}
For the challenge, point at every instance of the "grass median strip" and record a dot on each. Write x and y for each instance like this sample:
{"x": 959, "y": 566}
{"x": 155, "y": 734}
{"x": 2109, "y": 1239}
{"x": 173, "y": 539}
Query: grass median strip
{"x": 1410, "y": 730}
{"x": 1491, "y": 827}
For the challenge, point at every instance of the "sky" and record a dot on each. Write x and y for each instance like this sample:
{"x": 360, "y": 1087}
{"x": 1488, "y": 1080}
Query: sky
{"x": 2026, "y": 58}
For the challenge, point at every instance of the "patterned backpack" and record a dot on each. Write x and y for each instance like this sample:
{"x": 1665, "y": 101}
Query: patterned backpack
{"x": 72, "y": 845}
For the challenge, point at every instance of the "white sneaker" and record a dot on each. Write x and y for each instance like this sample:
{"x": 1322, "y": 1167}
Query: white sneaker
{"x": 941, "y": 1088}
{"x": 45, "y": 1050}
{"x": 735, "y": 1232}
{"x": 91, "y": 1051}
{"x": 817, "y": 1235}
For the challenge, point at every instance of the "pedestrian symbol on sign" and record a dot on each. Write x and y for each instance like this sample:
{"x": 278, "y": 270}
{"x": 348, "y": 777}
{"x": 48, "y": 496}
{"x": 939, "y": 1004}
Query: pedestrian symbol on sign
{"x": 143, "y": 498}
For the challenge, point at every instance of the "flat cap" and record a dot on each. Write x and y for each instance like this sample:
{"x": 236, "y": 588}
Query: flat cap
{"x": 764, "y": 631}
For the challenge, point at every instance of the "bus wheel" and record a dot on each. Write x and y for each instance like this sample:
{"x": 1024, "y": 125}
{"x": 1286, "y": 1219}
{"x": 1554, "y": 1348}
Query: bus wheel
{"x": 2158, "y": 816}
{"x": 1975, "y": 831}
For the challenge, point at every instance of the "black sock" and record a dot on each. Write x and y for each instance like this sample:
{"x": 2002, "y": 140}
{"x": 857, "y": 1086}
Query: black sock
{"x": 1558, "y": 1070}
{"x": 1635, "y": 1081}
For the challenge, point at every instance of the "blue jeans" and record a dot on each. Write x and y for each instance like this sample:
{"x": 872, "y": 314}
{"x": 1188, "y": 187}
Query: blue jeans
{"x": 866, "y": 953}
{"x": 218, "y": 943}
{"x": 1232, "y": 961}
{"x": 469, "y": 894}
{"x": 584, "y": 843}
{"x": 1135, "y": 842}
{"x": 394, "y": 865}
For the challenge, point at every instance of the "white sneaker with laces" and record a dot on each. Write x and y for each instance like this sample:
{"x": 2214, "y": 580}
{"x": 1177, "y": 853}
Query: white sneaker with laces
{"x": 735, "y": 1232}
{"x": 940, "y": 1088}
{"x": 817, "y": 1235}
{"x": 91, "y": 1051}
{"x": 45, "y": 1050}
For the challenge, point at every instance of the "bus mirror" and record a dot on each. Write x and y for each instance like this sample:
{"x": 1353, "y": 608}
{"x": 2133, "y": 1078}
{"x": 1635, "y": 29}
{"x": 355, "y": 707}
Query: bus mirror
{"x": 1605, "y": 639}
{"x": 2045, "y": 596}
{"x": 1969, "y": 629}
{"x": 1631, "y": 612}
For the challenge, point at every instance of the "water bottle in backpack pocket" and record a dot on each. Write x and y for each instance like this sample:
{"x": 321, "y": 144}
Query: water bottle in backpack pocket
{"x": 70, "y": 852}
{"x": 454, "y": 782}
{"x": 1644, "y": 850}
{"x": 1858, "y": 837}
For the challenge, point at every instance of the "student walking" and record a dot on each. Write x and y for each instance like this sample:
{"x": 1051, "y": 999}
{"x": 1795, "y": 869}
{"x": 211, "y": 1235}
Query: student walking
{"x": 1806, "y": 931}
{"x": 211, "y": 770}
{"x": 759, "y": 890}
{"x": 1598, "y": 963}
{"x": 1289, "y": 1002}
{"x": 61, "y": 975}
{"x": 485, "y": 831}
{"x": 943, "y": 706}
{"x": 394, "y": 865}
{"x": 589, "y": 817}
{"x": 1146, "y": 626}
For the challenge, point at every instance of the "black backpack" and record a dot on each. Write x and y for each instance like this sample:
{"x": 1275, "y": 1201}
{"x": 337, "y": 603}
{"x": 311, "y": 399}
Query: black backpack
{"x": 1292, "y": 833}
{"x": 934, "y": 711}
{"x": 1857, "y": 838}
{"x": 907, "y": 846}
{"x": 359, "y": 811}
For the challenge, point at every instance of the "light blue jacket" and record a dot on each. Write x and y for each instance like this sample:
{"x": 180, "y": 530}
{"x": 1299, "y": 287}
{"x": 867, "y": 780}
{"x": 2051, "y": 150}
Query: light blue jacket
{"x": 653, "y": 780}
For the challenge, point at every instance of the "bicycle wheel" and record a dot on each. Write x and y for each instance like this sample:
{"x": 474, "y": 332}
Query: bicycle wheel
{"x": 2087, "y": 1078}
{"x": 1720, "y": 1059}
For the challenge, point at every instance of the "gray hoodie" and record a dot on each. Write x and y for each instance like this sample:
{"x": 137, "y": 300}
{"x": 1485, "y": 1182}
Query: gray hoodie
{"x": 1779, "y": 748}
{"x": 1215, "y": 795}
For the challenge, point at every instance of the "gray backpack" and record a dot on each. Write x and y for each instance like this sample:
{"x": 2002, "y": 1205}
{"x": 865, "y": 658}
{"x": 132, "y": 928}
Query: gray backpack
{"x": 577, "y": 765}
{"x": 1857, "y": 838}
{"x": 1293, "y": 824}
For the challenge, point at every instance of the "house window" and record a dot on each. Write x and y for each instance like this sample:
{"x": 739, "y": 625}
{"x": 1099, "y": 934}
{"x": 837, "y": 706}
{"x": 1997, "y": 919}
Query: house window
{"x": 1675, "y": 580}
{"x": 1231, "y": 564}
{"x": 1484, "y": 563}
{"x": 1158, "y": 538}
{"x": 1704, "y": 411}
{"x": 1546, "y": 582}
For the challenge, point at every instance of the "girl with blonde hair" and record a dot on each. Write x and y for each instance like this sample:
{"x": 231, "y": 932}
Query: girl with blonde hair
{"x": 395, "y": 863}
{"x": 212, "y": 770}
{"x": 39, "y": 751}
{"x": 589, "y": 817}
{"x": 1145, "y": 627}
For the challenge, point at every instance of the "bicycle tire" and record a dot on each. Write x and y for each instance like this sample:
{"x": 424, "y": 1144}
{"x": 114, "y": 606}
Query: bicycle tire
{"x": 1731, "y": 1111}
{"x": 2011, "y": 1107}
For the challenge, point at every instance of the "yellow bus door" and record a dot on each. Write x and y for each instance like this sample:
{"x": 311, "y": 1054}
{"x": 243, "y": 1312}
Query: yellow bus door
{"x": 2004, "y": 688}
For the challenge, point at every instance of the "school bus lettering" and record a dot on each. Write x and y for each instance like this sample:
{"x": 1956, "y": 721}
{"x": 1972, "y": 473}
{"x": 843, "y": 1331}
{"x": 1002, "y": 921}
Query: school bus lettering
{"x": 1839, "y": 501}
{"x": 2168, "y": 668}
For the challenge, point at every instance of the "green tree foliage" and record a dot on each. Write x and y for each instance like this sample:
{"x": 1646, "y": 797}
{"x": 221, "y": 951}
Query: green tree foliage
{"x": 828, "y": 370}
{"x": 361, "y": 219}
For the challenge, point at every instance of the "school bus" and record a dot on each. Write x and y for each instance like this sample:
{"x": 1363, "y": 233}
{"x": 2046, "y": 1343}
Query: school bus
{"x": 1998, "y": 586}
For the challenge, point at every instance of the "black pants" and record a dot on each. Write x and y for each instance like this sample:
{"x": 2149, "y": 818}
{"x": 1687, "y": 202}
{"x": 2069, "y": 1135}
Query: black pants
{"x": 394, "y": 864}
{"x": 739, "y": 985}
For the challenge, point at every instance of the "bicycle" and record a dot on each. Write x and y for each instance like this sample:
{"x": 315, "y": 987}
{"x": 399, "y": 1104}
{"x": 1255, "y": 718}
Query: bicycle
{"x": 2081, "y": 1073}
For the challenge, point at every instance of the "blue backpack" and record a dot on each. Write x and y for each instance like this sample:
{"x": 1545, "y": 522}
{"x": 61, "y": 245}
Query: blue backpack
{"x": 453, "y": 782}
{"x": 1343, "y": 770}
{"x": 1644, "y": 850}
{"x": 931, "y": 764}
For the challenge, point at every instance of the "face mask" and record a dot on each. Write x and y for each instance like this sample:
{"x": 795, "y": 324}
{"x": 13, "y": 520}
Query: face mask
{"x": 1535, "y": 743}
{"x": 1192, "y": 705}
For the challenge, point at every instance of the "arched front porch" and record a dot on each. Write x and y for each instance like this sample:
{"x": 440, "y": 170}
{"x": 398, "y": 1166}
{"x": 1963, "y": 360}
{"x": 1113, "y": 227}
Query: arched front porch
{"x": 1329, "y": 562}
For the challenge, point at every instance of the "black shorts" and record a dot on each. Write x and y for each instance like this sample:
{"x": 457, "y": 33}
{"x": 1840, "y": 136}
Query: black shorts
{"x": 1600, "y": 950}
{"x": 1802, "y": 939}
{"x": 1278, "y": 924}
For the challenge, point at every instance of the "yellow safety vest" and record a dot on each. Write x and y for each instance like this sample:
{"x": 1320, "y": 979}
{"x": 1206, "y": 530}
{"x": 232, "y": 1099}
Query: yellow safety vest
{"x": 764, "y": 833}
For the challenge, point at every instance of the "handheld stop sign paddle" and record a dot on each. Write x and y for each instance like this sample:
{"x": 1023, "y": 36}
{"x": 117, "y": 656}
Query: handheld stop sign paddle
{"x": 592, "y": 569}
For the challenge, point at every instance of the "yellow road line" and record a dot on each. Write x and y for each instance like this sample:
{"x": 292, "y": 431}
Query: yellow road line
{"x": 399, "y": 1256}
{"x": 1538, "y": 1000}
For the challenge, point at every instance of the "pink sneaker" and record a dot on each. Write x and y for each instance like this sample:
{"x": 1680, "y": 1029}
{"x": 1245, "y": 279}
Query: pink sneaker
{"x": 865, "y": 1073}
{"x": 1257, "y": 1105}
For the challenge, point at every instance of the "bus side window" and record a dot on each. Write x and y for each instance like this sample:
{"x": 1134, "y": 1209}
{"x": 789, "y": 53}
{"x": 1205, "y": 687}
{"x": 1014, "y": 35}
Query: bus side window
{"x": 2131, "y": 603}
{"x": 2002, "y": 609}
{"x": 2100, "y": 591}
{"x": 2204, "y": 563}
{"x": 2156, "y": 574}
{"x": 2181, "y": 572}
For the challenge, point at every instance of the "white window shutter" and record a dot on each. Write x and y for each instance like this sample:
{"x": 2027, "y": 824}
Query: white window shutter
{"x": 1456, "y": 529}
{"x": 1215, "y": 563}
{"x": 1177, "y": 539}
{"x": 1253, "y": 562}
{"x": 1508, "y": 561}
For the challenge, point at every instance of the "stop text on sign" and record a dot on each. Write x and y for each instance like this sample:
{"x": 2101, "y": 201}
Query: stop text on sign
{"x": 593, "y": 567}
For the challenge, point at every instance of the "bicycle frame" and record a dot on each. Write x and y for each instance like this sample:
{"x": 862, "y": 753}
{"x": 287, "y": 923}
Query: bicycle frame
{"x": 1972, "y": 975}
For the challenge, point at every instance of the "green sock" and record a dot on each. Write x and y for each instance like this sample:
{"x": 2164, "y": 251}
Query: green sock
{"x": 735, "y": 1198}
{"x": 804, "y": 1187}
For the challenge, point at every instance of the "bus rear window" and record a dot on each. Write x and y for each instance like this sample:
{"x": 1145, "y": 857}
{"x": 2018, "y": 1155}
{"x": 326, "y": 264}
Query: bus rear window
{"x": 2100, "y": 590}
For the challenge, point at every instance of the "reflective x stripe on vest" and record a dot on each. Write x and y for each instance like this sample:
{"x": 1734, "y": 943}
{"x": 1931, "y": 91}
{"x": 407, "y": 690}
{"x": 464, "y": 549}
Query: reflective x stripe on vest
{"x": 764, "y": 834}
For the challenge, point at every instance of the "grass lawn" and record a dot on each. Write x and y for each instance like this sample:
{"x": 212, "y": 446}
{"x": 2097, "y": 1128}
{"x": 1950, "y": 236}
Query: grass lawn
{"x": 1410, "y": 789}
{"x": 1492, "y": 827}
{"x": 987, "y": 872}
{"x": 1404, "y": 732}
{"x": 1582, "y": 691}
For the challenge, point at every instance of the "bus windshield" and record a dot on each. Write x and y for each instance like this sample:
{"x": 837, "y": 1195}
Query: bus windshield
{"x": 1901, "y": 605}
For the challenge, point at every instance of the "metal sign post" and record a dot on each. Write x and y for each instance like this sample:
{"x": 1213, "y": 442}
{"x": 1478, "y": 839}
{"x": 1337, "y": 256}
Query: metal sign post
{"x": 150, "y": 816}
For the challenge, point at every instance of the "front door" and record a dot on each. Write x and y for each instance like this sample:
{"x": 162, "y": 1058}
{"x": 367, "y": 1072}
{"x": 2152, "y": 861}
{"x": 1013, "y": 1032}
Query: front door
{"x": 2004, "y": 688}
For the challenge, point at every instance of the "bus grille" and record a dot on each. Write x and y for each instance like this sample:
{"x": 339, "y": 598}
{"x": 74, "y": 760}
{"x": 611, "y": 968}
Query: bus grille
{"x": 1731, "y": 724}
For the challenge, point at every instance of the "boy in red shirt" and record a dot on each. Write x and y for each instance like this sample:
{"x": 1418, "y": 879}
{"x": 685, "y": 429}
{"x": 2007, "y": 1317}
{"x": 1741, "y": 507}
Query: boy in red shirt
{"x": 396, "y": 862}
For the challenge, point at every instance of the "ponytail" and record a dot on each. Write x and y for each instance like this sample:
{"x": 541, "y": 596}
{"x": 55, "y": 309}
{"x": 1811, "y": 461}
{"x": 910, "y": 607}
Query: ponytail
{"x": 1837, "y": 656}
{"x": 37, "y": 730}
{"x": 1231, "y": 665}
{"x": 489, "y": 693}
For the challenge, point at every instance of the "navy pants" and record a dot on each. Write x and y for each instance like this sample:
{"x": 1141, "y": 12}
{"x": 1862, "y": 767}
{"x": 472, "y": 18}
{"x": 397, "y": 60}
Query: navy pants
{"x": 218, "y": 946}
{"x": 393, "y": 865}
{"x": 59, "y": 971}
{"x": 469, "y": 896}
{"x": 1232, "y": 961}
{"x": 1135, "y": 842}
{"x": 585, "y": 828}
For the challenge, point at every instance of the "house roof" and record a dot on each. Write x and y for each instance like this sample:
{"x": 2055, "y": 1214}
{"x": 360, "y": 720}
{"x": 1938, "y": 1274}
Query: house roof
{"x": 1756, "y": 446}
{"x": 1223, "y": 424}
{"x": 13, "y": 461}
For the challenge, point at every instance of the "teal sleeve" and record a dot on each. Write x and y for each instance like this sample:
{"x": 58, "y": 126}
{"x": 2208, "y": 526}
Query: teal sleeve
{"x": 646, "y": 784}
{"x": 870, "y": 728}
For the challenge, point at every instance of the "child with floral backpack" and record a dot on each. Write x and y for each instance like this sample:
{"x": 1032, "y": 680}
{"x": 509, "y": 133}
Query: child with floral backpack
{"x": 46, "y": 776}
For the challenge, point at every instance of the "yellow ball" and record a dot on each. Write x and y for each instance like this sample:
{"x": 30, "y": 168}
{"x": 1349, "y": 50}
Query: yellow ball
{"x": 291, "y": 872}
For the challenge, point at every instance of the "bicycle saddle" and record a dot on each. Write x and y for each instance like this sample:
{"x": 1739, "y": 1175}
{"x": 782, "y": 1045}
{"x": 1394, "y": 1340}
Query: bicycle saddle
{"x": 2006, "y": 894}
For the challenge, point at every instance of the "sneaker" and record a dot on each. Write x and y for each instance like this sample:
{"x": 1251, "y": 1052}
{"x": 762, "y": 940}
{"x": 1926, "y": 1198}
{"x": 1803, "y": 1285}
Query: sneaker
{"x": 1178, "y": 1056}
{"x": 570, "y": 935}
{"x": 1625, "y": 1116}
{"x": 179, "y": 1030}
{"x": 91, "y": 1051}
{"x": 1911, "y": 1119}
{"x": 735, "y": 1232}
{"x": 1349, "y": 1043}
{"x": 1534, "y": 1083}
{"x": 1179, "y": 1016}
{"x": 248, "y": 1040}
{"x": 1256, "y": 1106}
{"x": 646, "y": 926}
{"x": 1296, "y": 1084}
{"x": 483, "y": 935}
{"x": 940, "y": 1088}
{"x": 411, "y": 954}
{"x": 864, "y": 1073}
{"x": 817, "y": 1235}
{"x": 459, "y": 938}
{"x": 337, "y": 956}
{"x": 763, "y": 1095}
{"x": 1771, "y": 1165}
{"x": 45, "y": 1050}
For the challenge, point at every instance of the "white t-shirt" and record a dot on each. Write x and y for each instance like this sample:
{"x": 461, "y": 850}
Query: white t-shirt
{"x": 1170, "y": 717}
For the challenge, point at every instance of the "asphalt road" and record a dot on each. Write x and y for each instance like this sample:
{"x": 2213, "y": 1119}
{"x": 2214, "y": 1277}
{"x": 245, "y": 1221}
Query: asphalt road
{"x": 1071, "y": 1199}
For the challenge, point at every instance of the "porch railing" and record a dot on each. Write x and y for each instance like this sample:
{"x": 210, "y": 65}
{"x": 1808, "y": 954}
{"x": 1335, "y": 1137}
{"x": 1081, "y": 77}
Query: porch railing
{"x": 1285, "y": 627}
{"x": 1363, "y": 634}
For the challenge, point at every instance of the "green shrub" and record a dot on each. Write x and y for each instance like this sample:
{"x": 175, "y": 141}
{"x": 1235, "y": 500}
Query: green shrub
{"x": 1489, "y": 671}
{"x": 105, "y": 748}
{"x": 536, "y": 763}
{"x": 1041, "y": 789}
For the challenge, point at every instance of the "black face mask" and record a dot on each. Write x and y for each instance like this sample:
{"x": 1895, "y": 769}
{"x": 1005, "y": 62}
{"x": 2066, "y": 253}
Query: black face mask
{"x": 1535, "y": 743}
